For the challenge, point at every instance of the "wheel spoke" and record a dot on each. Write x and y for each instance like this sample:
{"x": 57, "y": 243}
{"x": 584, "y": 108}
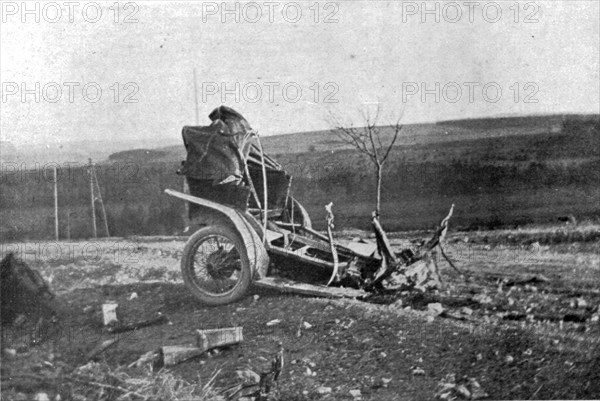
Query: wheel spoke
{"x": 217, "y": 265}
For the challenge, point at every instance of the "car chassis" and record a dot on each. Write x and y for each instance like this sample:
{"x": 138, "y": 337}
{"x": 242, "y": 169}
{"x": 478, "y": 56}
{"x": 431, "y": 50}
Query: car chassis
{"x": 262, "y": 244}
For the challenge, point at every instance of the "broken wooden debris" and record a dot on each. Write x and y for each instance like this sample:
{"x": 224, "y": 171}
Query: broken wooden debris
{"x": 411, "y": 268}
{"x": 138, "y": 325}
{"x": 572, "y": 317}
{"x": 100, "y": 348}
{"x": 258, "y": 390}
{"x": 109, "y": 313}
{"x": 527, "y": 280}
{"x": 170, "y": 355}
{"x": 466, "y": 388}
{"x": 458, "y": 316}
{"x": 389, "y": 261}
{"x": 213, "y": 338}
{"x": 173, "y": 354}
{"x": 289, "y": 286}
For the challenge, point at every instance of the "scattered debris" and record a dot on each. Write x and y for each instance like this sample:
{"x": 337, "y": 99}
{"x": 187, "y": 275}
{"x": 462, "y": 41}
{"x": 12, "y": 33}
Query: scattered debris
{"x": 581, "y": 303}
{"x": 483, "y": 299}
{"x": 463, "y": 391}
{"x": 100, "y": 348}
{"x": 306, "y": 325}
{"x": 258, "y": 390}
{"x": 248, "y": 376}
{"x": 134, "y": 326}
{"x": 9, "y": 352}
{"x": 397, "y": 304}
{"x": 323, "y": 390}
{"x": 213, "y": 338}
{"x": 290, "y": 286}
{"x": 148, "y": 358}
{"x": 477, "y": 392}
{"x": 170, "y": 355}
{"x": 109, "y": 313}
{"x": 466, "y": 388}
{"x": 205, "y": 340}
{"x": 133, "y": 296}
{"x": 41, "y": 397}
{"x": 435, "y": 309}
{"x": 540, "y": 278}
{"x": 417, "y": 371}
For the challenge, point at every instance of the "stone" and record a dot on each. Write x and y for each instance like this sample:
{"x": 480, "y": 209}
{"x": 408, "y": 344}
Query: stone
{"x": 323, "y": 390}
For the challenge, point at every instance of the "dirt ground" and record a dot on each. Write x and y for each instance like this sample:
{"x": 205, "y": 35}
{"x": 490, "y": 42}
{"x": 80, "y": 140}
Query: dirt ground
{"x": 522, "y": 321}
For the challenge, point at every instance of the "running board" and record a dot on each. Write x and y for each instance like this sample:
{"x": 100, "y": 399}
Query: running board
{"x": 290, "y": 286}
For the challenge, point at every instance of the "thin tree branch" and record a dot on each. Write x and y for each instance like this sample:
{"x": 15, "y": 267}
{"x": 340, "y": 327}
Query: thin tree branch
{"x": 397, "y": 129}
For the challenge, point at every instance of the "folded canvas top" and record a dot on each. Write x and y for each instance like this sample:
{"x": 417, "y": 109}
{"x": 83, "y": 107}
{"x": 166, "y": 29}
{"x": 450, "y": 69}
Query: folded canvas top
{"x": 213, "y": 152}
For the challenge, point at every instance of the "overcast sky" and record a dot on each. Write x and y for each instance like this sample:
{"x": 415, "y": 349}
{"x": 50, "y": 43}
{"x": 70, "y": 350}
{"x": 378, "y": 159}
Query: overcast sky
{"x": 343, "y": 57}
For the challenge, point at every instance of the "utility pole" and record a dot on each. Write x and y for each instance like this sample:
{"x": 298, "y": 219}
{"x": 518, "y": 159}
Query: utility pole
{"x": 93, "y": 199}
{"x": 55, "y": 204}
{"x": 102, "y": 209}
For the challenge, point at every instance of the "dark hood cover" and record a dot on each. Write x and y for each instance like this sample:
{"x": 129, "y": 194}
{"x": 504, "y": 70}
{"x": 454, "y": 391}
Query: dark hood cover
{"x": 212, "y": 151}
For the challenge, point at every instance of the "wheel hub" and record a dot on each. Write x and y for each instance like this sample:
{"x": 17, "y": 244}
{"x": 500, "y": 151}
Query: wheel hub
{"x": 222, "y": 263}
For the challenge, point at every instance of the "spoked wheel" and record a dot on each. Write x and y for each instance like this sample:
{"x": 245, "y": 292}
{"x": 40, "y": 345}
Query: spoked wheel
{"x": 215, "y": 265}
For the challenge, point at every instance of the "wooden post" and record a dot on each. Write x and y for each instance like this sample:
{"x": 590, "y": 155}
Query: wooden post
{"x": 93, "y": 199}
{"x": 102, "y": 209}
{"x": 55, "y": 204}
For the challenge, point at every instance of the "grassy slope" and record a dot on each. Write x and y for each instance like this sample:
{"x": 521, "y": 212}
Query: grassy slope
{"x": 326, "y": 169}
{"x": 512, "y": 142}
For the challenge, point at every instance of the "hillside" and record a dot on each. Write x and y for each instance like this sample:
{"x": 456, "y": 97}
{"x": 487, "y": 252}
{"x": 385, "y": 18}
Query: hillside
{"x": 517, "y": 171}
{"x": 411, "y": 135}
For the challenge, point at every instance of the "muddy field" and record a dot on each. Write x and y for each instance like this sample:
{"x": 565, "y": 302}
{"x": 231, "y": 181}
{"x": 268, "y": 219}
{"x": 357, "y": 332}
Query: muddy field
{"x": 522, "y": 322}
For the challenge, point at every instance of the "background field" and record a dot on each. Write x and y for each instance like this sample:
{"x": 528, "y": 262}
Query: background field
{"x": 502, "y": 172}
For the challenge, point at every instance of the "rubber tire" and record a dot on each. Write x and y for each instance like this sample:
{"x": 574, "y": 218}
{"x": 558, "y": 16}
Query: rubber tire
{"x": 187, "y": 266}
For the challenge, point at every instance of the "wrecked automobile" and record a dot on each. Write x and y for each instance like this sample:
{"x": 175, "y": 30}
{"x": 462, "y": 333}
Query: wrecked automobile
{"x": 249, "y": 230}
